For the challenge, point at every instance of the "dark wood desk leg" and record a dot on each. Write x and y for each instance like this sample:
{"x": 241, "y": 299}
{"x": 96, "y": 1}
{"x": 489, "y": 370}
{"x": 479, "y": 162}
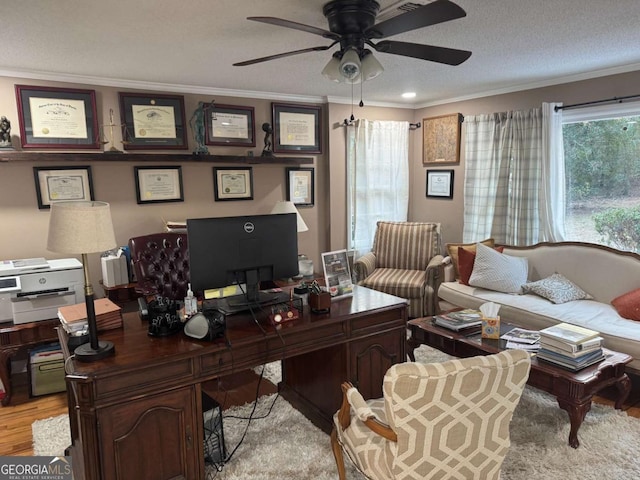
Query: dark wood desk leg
{"x": 624, "y": 389}
{"x": 577, "y": 412}
{"x": 412, "y": 344}
{"x": 5, "y": 372}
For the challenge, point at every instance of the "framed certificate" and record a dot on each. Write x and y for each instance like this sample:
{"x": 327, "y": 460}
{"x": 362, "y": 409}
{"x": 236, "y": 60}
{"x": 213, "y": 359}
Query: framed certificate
{"x": 440, "y": 183}
{"x": 296, "y": 128}
{"x": 300, "y": 186}
{"x": 60, "y": 118}
{"x": 159, "y": 184}
{"x": 153, "y": 122}
{"x": 232, "y": 183}
{"x": 230, "y": 125}
{"x": 62, "y": 184}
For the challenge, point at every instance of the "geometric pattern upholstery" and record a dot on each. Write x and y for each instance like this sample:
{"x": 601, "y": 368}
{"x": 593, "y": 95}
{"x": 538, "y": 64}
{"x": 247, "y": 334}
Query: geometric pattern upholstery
{"x": 161, "y": 264}
{"x": 406, "y": 262}
{"x": 451, "y": 419}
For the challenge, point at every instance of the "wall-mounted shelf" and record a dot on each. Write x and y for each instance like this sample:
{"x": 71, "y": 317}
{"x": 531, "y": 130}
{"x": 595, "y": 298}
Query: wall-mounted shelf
{"x": 12, "y": 156}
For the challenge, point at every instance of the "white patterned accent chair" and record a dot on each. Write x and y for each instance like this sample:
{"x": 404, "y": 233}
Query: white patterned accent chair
{"x": 405, "y": 261}
{"x": 440, "y": 421}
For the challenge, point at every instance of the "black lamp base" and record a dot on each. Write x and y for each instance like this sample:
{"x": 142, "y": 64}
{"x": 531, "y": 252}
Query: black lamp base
{"x": 84, "y": 353}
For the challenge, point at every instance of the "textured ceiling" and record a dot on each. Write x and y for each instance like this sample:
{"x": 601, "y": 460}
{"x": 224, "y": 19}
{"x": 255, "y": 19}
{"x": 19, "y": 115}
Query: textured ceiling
{"x": 190, "y": 46}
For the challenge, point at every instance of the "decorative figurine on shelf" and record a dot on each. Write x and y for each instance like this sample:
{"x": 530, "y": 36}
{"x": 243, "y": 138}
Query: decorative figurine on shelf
{"x": 197, "y": 124}
{"x": 5, "y": 133}
{"x": 268, "y": 131}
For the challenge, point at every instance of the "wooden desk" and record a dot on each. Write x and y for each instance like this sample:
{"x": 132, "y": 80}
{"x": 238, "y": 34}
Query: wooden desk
{"x": 138, "y": 414}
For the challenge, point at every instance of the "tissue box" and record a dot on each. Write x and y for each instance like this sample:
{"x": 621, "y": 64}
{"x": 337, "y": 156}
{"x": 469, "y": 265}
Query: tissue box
{"x": 491, "y": 327}
{"x": 114, "y": 271}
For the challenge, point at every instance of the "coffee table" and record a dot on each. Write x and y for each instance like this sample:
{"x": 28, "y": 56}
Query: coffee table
{"x": 573, "y": 390}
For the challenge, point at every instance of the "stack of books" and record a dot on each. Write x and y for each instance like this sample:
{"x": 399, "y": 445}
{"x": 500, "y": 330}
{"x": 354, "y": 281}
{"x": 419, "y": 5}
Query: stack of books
{"x": 570, "y": 346}
{"x": 466, "y": 322}
{"x": 522, "y": 339}
{"x": 73, "y": 318}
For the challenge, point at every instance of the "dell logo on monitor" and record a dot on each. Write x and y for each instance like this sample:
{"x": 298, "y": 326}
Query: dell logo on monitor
{"x": 249, "y": 227}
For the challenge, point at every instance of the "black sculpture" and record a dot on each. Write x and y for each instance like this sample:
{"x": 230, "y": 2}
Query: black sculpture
{"x": 268, "y": 146}
{"x": 5, "y": 132}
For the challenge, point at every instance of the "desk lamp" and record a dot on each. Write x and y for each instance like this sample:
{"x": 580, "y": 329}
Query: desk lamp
{"x": 289, "y": 207}
{"x": 81, "y": 228}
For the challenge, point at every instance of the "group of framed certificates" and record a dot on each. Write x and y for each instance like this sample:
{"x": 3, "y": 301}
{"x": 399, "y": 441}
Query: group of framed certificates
{"x": 65, "y": 118}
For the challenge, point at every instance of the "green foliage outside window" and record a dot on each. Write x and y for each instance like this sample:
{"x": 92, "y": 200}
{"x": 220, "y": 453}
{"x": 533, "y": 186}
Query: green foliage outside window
{"x": 620, "y": 227}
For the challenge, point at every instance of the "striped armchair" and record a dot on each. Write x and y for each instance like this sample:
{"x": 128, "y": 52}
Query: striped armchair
{"x": 405, "y": 261}
{"x": 438, "y": 421}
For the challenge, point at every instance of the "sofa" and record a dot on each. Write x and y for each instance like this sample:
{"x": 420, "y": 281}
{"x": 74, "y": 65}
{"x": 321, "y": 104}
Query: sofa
{"x": 609, "y": 278}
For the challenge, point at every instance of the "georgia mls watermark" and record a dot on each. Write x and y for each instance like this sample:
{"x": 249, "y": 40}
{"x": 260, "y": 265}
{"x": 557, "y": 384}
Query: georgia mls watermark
{"x": 35, "y": 468}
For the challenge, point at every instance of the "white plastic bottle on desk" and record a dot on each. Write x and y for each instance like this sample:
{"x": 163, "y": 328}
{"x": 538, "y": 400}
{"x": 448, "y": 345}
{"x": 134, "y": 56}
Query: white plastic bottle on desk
{"x": 190, "y": 303}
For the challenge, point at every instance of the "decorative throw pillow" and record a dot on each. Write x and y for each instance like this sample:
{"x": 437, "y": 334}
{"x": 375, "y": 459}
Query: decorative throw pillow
{"x": 466, "y": 259}
{"x": 557, "y": 289}
{"x": 628, "y": 305}
{"x": 497, "y": 271}
{"x": 452, "y": 250}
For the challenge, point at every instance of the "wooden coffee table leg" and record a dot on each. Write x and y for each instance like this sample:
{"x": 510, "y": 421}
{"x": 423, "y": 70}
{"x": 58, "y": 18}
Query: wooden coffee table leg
{"x": 412, "y": 344}
{"x": 577, "y": 412}
{"x": 624, "y": 388}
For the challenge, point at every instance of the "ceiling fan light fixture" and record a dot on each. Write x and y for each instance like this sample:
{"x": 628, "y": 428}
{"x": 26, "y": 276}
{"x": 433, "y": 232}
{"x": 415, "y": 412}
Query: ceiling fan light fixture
{"x": 332, "y": 70}
{"x": 350, "y": 65}
{"x": 371, "y": 67}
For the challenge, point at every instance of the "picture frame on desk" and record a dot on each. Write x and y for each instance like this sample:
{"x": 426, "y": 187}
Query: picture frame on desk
{"x": 153, "y": 122}
{"x": 62, "y": 184}
{"x": 57, "y": 118}
{"x": 159, "y": 184}
{"x": 232, "y": 183}
{"x": 296, "y": 128}
{"x": 337, "y": 275}
{"x": 230, "y": 125}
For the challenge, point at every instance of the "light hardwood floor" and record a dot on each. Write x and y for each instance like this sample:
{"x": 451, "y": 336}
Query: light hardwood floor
{"x": 16, "y": 419}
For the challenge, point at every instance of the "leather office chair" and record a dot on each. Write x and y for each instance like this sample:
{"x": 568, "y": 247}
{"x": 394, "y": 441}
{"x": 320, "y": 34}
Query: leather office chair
{"x": 440, "y": 421}
{"x": 161, "y": 264}
{"x": 405, "y": 261}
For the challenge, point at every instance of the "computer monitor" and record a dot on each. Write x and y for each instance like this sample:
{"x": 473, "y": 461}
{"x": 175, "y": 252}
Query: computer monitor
{"x": 245, "y": 249}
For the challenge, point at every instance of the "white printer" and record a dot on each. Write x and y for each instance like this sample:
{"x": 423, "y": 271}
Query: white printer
{"x": 33, "y": 289}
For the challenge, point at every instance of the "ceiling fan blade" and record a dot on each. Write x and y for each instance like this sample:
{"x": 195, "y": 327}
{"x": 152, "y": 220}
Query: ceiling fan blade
{"x": 429, "y": 14}
{"x": 282, "y": 55}
{"x": 449, "y": 56}
{"x": 280, "y": 22}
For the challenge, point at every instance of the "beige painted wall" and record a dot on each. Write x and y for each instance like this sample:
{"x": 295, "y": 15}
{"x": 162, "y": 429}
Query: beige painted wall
{"x": 24, "y": 227}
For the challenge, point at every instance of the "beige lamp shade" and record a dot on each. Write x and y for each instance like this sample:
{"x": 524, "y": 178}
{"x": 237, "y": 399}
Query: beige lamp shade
{"x": 289, "y": 207}
{"x": 80, "y": 227}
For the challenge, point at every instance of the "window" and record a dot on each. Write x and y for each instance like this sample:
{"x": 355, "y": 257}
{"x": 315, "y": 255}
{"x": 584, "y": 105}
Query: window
{"x": 602, "y": 167}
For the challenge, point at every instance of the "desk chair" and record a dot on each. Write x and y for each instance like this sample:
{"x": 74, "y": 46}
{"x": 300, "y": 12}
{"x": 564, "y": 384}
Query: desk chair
{"x": 161, "y": 264}
{"x": 440, "y": 421}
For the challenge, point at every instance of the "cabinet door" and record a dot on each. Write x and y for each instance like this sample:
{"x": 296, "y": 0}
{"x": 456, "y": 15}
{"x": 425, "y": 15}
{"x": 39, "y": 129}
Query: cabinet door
{"x": 151, "y": 438}
{"x": 371, "y": 357}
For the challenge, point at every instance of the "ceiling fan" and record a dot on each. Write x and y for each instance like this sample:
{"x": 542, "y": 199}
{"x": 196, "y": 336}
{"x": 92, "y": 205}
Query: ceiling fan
{"x": 352, "y": 25}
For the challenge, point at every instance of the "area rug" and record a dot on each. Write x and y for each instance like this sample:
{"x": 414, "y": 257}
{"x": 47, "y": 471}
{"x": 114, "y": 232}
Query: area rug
{"x": 285, "y": 445}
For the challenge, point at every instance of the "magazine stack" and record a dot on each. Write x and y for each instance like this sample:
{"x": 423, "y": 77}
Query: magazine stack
{"x": 465, "y": 322}
{"x": 570, "y": 346}
{"x": 522, "y": 339}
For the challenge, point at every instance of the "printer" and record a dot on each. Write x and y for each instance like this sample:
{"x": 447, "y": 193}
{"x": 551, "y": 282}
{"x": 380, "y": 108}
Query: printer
{"x": 33, "y": 289}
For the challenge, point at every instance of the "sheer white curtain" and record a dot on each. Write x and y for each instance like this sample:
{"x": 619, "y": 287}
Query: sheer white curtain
{"x": 377, "y": 178}
{"x": 514, "y": 177}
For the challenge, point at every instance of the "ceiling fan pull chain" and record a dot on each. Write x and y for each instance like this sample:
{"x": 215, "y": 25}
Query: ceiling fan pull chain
{"x": 361, "y": 104}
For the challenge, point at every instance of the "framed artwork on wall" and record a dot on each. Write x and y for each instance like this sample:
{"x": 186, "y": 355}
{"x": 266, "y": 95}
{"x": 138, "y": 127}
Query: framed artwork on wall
{"x": 57, "y": 118}
{"x": 300, "y": 186}
{"x": 441, "y": 139}
{"x": 440, "y": 183}
{"x": 158, "y": 184}
{"x": 153, "y": 122}
{"x": 62, "y": 184}
{"x": 231, "y": 183}
{"x": 230, "y": 125}
{"x": 296, "y": 128}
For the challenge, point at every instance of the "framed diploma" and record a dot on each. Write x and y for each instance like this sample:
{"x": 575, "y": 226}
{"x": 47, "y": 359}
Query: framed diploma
{"x": 153, "y": 122}
{"x": 62, "y": 184}
{"x": 441, "y": 139}
{"x": 440, "y": 183}
{"x": 230, "y": 125}
{"x": 296, "y": 128}
{"x": 300, "y": 186}
{"x": 159, "y": 184}
{"x": 59, "y": 118}
{"x": 232, "y": 183}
